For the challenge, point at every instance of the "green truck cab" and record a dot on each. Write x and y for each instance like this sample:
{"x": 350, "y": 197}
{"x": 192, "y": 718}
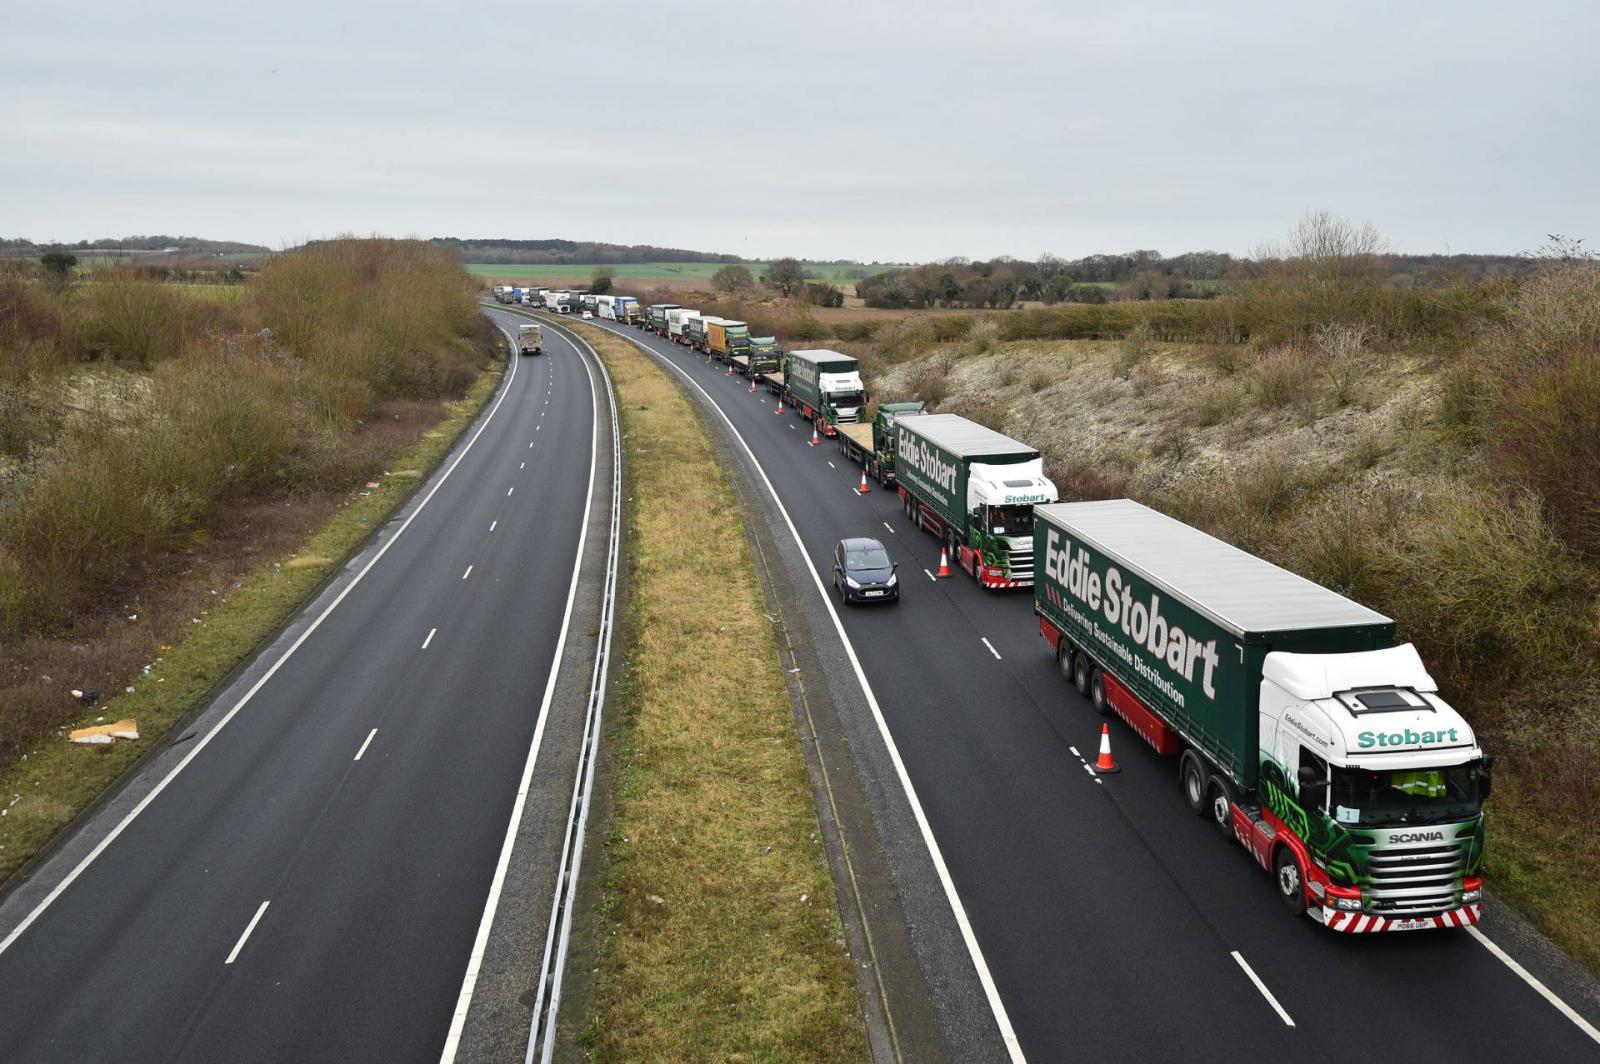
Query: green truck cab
{"x": 764, "y": 355}
{"x": 1301, "y": 732}
{"x": 872, "y": 446}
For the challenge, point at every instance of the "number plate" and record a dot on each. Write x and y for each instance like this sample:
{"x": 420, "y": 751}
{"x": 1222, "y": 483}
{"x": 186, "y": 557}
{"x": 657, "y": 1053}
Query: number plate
{"x": 1409, "y": 925}
{"x": 872, "y": 594}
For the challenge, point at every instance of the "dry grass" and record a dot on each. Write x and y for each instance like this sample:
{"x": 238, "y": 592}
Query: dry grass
{"x": 722, "y": 937}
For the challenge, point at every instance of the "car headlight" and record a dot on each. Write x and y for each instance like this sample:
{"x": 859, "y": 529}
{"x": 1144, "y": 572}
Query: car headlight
{"x": 852, "y": 582}
{"x": 894, "y": 578}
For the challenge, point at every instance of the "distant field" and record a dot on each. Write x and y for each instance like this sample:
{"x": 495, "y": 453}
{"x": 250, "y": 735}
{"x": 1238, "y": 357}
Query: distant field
{"x": 653, "y": 271}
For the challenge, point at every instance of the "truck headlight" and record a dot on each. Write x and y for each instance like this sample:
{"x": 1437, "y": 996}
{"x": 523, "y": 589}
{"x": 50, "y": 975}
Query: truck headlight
{"x": 1470, "y": 896}
{"x": 1347, "y": 904}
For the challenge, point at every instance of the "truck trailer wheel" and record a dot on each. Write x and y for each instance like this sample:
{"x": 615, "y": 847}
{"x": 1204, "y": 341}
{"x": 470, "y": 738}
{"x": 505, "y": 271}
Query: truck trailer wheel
{"x": 1192, "y": 778}
{"x": 1064, "y": 659}
{"x": 1097, "y": 692}
{"x": 1081, "y": 668}
{"x": 1290, "y": 880}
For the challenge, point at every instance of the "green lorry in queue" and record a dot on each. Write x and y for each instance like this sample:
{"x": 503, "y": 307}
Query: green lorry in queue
{"x": 974, "y": 489}
{"x": 726, "y": 338}
{"x": 1300, "y": 731}
{"x": 825, "y": 388}
{"x": 655, "y": 317}
{"x": 763, "y": 356}
{"x": 871, "y": 446}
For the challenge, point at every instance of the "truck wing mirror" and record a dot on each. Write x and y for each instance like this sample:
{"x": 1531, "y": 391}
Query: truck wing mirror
{"x": 1307, "y": 774}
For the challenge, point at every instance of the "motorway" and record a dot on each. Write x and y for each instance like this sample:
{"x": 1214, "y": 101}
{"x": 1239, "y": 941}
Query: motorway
{"x": 303, "y": 874}
{"x": 1114, "y": 925}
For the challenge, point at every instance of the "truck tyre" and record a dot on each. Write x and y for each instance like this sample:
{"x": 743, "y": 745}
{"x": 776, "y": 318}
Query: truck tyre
{"x": 1221, "y": 806}
{"x": 1097, "y": 693}
{"x": 1082, "y": 667}
{"x": 1192, "y": 780}
{"x": 1064, "y": 659}
{"x": 1290, "y": 880}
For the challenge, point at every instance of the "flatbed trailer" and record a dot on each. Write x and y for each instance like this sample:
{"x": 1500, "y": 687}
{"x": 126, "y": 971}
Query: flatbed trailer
{"x": 741, "y": 365}
{"x": 773, "y": 382}
{"x": 871, "y": 444}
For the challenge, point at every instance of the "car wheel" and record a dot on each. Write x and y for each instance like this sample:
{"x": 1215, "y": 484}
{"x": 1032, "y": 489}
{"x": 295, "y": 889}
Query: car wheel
{"x": 1290, "y": 880}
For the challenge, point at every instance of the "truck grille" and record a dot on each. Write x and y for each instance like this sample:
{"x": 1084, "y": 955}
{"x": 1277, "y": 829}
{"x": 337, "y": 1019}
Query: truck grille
{"x": 1021, "y": 562}
{"x": 1417, "y": 879}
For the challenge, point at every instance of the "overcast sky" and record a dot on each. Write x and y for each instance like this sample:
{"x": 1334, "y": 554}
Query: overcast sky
{"x": 820, "y": 129}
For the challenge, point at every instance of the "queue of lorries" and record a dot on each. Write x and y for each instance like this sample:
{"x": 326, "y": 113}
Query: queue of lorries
{"x": 1298, "y": 729}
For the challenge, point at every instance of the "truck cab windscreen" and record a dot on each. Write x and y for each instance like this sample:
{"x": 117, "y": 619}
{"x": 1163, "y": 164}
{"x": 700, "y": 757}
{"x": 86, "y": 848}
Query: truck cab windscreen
{"x": 1392, "y": 797}
{"x": 1010, "y": 520}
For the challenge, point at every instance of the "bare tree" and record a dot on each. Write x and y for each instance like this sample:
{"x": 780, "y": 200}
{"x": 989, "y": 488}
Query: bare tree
{"x": 732, "y": 278}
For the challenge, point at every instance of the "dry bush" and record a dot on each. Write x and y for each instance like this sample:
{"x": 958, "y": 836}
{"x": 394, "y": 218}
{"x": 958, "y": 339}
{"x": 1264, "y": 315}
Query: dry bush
{"x": 981, "y": 337}
{"x": 1369, "y": 448}
{"x": 1490, "y": 590}
{"x": 1339, "y": 348}
{"x": 1215, "y": 404}
{"x": 986, "y": 410}
{"x": 931, "y": 383}
{"x": 1134, "y": 348}
{"x": 1283, "y": 376}
{"x": 1081, "y": 481}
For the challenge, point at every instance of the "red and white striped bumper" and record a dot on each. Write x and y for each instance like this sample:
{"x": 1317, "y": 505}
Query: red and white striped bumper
{"x": 1359, "y": 923}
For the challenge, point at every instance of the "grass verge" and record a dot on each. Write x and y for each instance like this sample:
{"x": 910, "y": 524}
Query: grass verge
{"x": 721, "y": 935}
{"x": 51, "y": 785}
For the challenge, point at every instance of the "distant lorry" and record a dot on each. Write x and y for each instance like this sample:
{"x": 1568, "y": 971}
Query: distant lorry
{"x": 502, "y": 293}
{"x": 871, "y": 445}
{"x": 627, "y": 310}
{"x": 1300, "y": 731}
{"x": 656, "y": 317}
{"x": 677, "y": 319}
{"x": 694, "y": 331}
{"x": 605, "y": 307}
{"x": 725, "y": 338}
{"x": 764, "y": 356}
{"x": 974, "y": 489}
{"x": 534, "y": 296}
{"x": 825, "y": 388}
{"x": 558, "y": 301}
{"x": 588, "y": 301}
{"x": 530, "y": 339}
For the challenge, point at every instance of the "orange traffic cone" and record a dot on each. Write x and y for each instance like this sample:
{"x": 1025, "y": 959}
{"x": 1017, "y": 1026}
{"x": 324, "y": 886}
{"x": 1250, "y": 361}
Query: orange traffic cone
{"x": 865, "y": 487}
{"x": 779, "y": 408}
{"x": 1105, "y": 765}
{"x": 752, "y": 384}
{"x": 814, "y": 440}
{"x": 944, "y": 562}
{"x": 730, "y": 370}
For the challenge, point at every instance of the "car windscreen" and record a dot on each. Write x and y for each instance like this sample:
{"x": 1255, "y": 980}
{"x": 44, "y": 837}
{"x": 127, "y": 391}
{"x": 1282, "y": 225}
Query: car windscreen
{"x": 870, "y": 558}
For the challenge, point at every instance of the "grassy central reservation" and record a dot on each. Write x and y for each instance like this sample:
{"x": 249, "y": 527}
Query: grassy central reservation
{"x": 720, "y": 936}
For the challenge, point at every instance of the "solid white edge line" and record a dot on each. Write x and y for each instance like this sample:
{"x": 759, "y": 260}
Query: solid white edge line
{"x": 597, "y": 685}
{"x": 429, "y": 639}
{"x": 469, "y": 981}
{"x": 1002, "y": 1020}
{"x": 251, "y": 926}
{"x": 366, "y": 743}
{"x": 205, "y": 740}
{"x": 1256, "y": 979}
{"x": 1528, "y": 977}
{"x": 990, "y": 645}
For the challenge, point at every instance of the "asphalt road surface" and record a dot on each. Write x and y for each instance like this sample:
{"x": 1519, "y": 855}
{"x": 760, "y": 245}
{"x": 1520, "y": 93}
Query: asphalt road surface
{"x": 309, "y": 886}
{"x": 1116, "y": 925}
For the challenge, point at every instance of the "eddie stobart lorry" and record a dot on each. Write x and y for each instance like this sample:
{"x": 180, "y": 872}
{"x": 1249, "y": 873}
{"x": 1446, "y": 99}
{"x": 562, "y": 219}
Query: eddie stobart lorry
{"x": 975, "y": 489}
{"x": 764, "y": 356}
{"x": 825, "y": 388}
{"x": 871, "y": 446}
{"x": 1300, "y": 731}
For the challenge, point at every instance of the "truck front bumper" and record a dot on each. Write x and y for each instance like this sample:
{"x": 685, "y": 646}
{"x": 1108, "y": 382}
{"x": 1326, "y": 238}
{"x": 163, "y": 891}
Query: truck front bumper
{"x": 1359, "y": 923}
